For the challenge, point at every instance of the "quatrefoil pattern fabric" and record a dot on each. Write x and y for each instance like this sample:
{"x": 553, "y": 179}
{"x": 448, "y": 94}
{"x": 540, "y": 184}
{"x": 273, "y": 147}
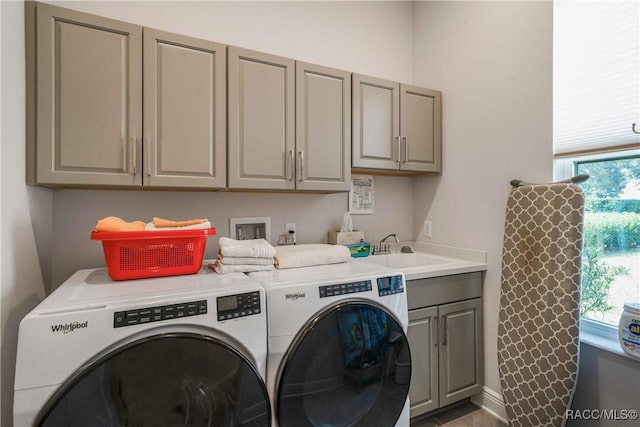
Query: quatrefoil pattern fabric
{"x": 540, "y": 303}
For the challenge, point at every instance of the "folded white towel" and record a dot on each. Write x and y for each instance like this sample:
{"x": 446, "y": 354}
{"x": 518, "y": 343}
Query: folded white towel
{"x": 235, "y": 260}
{"x": 246, "y": 268}
{"x": 310, "y": 254}
{"x": 201, "y": 226}
{"x": 256, "y": 248}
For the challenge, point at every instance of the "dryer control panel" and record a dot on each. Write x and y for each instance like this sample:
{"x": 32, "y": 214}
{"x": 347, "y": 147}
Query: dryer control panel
{"x": 239, "y": 305}
{"x": 390, "y": 285}
{"x": 345, "y": 288}
{"x": 158, "y": 313}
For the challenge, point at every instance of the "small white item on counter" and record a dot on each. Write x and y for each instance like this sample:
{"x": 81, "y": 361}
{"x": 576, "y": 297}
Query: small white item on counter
{"x": 310, "y": 254}
{"x": 200, "y": 226}
{"x": 629, "y": 329}
{"x": 257, "y": 248}
{"x": 345, "y": 237}
{"x": 347, "y": 223}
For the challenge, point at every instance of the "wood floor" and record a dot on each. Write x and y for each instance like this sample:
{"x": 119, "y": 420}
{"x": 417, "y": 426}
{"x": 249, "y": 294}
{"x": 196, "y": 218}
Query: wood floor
{"x": 465, "y": 415}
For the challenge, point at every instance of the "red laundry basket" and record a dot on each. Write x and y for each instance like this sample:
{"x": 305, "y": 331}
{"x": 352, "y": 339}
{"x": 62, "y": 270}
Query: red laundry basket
{"x": 143, "y": 254}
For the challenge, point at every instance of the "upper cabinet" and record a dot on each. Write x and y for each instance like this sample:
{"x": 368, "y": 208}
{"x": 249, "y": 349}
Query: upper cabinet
{"x": 261, "y": 120}
{"x": 323, "y": 128}
{"x": 184, "y": 111}
{"x": 289, "y": 124}
{"x": 396, "y": 127}
{"x": 90, "y": 102}
{"x": 114, "y": 104}
{"x": 89, "y": 99}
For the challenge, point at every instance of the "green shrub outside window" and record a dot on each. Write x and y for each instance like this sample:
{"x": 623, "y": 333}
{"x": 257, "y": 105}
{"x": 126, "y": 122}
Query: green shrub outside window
{"x": 611, "y": 253}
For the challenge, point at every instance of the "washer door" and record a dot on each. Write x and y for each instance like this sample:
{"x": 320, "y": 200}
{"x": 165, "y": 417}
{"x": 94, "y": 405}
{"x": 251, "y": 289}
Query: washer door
{"x": 183, "y": 379}
{"x": 349, "y": 366}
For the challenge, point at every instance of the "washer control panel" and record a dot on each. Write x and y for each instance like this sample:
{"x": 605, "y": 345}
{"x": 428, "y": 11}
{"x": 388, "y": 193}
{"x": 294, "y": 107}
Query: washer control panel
{"x": 239, "y": 305}
{"x": 390, "y": 285}
{"x": 345, "y": 288}
{"x": 158, "y": 313}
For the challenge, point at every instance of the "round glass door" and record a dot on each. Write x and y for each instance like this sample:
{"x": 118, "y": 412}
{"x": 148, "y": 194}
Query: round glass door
{"x": 350, "y": 366}
{"x": 180, "y": 379}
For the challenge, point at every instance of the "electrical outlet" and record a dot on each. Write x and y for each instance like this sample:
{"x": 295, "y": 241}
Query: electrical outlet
{"x": 427, "y": 229}
{"x": 290, "y": 226}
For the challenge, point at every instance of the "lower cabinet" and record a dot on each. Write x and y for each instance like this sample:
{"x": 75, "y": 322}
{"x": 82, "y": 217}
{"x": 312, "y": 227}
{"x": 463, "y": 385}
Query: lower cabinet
{"x": 445, "y": 341}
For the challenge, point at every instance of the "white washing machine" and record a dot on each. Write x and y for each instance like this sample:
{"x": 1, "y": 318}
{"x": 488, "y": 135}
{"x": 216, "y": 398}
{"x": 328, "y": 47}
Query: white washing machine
{"x": 338, "y": 350}
{"x": 182, "y": 350}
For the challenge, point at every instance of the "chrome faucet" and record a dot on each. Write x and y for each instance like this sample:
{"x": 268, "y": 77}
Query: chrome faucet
{"x": 383, "y": 248}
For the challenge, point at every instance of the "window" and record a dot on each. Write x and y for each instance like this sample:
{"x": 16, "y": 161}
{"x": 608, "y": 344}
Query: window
{"x": 596, "y": 101}
{"x": 611, "y": 253}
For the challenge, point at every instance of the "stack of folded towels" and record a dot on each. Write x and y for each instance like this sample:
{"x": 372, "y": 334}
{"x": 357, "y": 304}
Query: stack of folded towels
{"x": 243, "y": 256}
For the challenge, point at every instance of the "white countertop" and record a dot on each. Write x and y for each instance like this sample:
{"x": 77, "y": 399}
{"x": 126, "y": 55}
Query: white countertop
{"x": 440, "y": 260}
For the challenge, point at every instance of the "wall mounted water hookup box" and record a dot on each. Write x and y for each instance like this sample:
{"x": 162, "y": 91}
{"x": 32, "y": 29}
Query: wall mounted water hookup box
{"x": 250, "y": 228}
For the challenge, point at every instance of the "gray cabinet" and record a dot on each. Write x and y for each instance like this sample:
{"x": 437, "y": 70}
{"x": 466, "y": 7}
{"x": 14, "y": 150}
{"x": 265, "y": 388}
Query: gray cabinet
{"x": 261, "y": 102}
{"x": 184, "y": 111}
{"x": 420, "y": 129}
{"x": 423, "y": 342}
{"x": 88, "y": 85}
{"x": 90, "y": 94}
{"x": 396, "y": 127}
{"x": 323, "y": 128}
{"x": 460, "y": 351}
{"x": 445, "y": 337}
{"x": 289, "y": 124}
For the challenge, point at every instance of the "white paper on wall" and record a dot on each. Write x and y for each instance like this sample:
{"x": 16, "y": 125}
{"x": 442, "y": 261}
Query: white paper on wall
{"x": 362, "y": 194}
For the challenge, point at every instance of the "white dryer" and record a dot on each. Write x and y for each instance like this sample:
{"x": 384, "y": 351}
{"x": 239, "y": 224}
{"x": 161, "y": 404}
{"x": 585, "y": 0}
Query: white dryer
{"x": 183, "y": 350}
{"x": 338, "y": 350}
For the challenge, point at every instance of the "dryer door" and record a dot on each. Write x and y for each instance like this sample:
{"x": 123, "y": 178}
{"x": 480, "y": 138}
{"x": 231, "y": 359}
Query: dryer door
{"x": 171, "y": 379}
{"x": 349, "y": 366}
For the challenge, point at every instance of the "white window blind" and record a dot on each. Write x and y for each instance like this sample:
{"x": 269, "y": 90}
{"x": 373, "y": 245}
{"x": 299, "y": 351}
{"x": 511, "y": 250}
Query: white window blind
{"x": 596, "y": 76}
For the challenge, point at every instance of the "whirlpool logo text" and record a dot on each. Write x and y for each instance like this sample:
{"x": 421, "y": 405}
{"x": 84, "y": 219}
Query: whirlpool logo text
{"x": 294, "y": 296}
{"x": 69, "y": 327}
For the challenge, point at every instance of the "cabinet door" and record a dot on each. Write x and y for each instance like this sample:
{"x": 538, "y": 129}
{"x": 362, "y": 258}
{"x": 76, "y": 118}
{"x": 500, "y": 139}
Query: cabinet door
{"x": 261, "y": 120}
{"x": 376, "y": 133}
{"x": 89, "y": 113}
{"x": 420, "y": 126}
{"x": 323, "y": 128}
{"x": 460, "y": 350}
{"x": 184, "y": 111}
{"x": 423, "y": 341}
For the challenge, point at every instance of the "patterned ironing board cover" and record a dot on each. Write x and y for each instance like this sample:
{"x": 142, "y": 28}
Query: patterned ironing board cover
{"x": 539, "y": 318}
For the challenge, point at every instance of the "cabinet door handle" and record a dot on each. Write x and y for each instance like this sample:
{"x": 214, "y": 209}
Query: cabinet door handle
{"x": 134, "y": 158}
{"x": 406, "y": 149}
{"x": 397, "y": 138}
{"x": 435, "y": 320}
{"x": 444, "y": 337}
{"x": 301, "y": 177}
{"x": 291, "y": 165}
{"x": 126, "y": 165}
{"x": 146, "y": 157}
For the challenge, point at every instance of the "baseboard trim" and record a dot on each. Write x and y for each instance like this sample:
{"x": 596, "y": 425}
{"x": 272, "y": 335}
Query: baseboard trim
{"x": 492, "y": 402}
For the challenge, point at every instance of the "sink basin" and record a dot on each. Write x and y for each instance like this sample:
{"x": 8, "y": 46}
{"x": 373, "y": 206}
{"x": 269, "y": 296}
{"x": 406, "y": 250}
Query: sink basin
{"x": 407, "y": 260}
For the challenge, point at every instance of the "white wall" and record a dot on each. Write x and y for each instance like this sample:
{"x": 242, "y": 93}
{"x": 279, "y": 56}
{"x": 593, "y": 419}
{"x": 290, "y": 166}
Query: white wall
{"x": 493, "y": 63}
{"x": 45, "y": 233}
{"x": 374, "y": 38}
{"x": 606, "y": 381}
{"x": 26, "y": 212}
